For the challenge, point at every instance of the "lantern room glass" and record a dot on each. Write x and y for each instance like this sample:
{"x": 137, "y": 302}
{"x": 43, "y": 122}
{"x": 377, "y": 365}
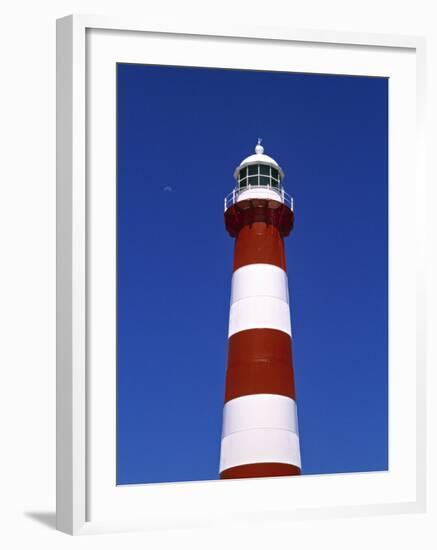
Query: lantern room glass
{"x": 259, "y": 175}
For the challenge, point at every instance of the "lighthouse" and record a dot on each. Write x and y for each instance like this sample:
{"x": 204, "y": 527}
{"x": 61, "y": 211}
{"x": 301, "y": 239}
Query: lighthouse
{"x": 260, "y": 430}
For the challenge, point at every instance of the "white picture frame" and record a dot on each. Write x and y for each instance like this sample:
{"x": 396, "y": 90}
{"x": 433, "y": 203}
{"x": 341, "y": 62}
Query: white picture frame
{"x": 87, "y": 48}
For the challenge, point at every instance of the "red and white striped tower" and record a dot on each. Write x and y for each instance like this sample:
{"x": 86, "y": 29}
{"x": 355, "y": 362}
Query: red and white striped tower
{"x": 260, "y": 433}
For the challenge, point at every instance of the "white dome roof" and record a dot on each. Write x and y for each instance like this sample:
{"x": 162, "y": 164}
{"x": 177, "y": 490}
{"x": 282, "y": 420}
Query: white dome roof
{"x": 258, "y": 158}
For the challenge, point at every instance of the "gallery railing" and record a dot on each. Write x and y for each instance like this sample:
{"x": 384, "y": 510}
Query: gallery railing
{"x": 283, "y": 197}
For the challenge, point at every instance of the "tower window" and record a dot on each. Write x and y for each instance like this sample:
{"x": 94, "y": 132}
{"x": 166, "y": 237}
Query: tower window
{"x": 256, "y": 175}
{"x": 253, "y": 170}
{"x": 264, "y": 180}
{"x": 264, "y": 170}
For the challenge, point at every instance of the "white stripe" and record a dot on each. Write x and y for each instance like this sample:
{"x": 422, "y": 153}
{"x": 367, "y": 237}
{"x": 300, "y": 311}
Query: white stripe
{"x": 259, "y": 445}
{"x": 259, "y": 411}
{"x": 259, "y": 312}
{"x": 259, "y": 299}
{"x": 259, "y": 280}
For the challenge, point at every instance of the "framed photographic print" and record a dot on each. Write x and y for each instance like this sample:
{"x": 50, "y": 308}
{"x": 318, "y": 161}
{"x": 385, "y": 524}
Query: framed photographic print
{"x": 240, "y": 275}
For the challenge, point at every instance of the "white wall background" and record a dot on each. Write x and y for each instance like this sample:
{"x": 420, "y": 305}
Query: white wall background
{"x": 27, "y": 270}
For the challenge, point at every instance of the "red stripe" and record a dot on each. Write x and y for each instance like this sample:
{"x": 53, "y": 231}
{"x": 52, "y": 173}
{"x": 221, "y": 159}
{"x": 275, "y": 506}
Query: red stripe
{"x": 249, "y": 211}
{"x": 259, "y": 361}
{"x": 259, "y": 243}
{"x": 264, "y": 469}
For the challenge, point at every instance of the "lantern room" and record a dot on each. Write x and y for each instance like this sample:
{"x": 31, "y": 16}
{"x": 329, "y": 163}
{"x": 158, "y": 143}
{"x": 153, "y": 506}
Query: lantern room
{"x": 258, "y": 170}
{"x": 258, "y": 177}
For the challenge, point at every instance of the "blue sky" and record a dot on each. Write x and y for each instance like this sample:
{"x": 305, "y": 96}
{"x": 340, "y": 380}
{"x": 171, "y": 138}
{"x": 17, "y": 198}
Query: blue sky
{"x": 181, "y": 132}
